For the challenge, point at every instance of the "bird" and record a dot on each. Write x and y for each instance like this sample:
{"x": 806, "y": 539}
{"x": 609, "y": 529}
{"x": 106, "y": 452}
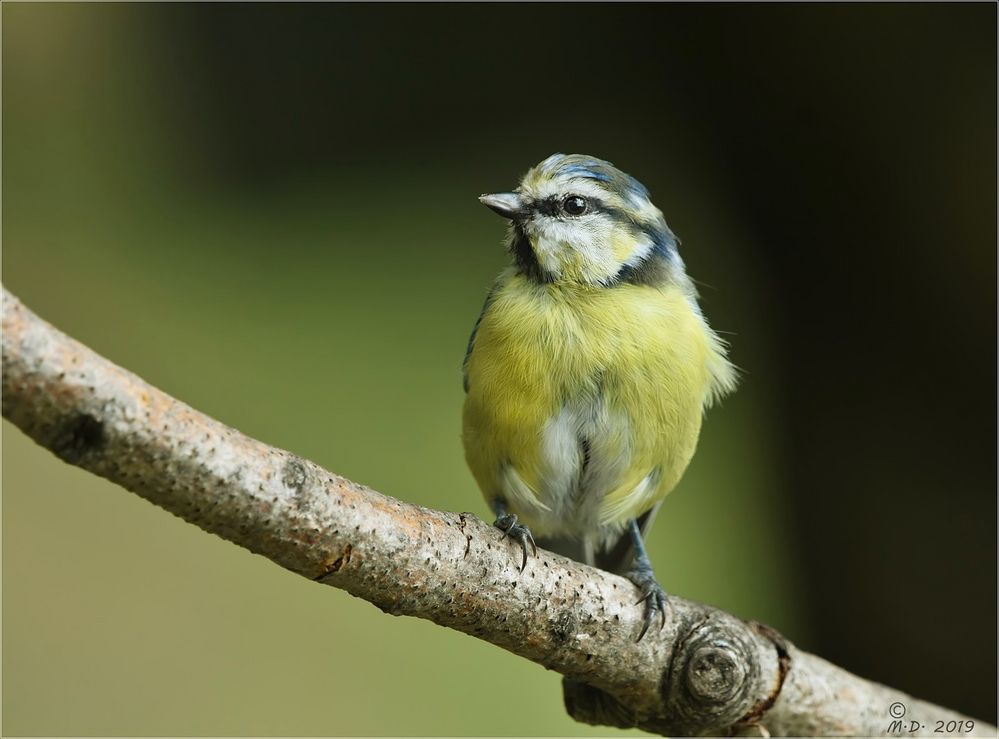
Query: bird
{"x": 588, "y": 371}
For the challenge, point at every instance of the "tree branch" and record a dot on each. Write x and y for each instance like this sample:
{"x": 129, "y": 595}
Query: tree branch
{"x": 706, "y": 672}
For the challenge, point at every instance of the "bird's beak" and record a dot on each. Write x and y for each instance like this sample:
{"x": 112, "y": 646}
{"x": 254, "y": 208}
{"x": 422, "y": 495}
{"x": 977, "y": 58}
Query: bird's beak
{"x": 507, "y": 204}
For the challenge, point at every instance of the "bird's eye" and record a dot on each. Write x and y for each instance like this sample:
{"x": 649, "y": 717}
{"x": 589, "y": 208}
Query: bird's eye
{"x": 574, "y": 205}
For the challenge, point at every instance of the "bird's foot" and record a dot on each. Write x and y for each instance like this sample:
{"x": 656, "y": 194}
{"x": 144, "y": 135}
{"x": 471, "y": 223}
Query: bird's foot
{"x": 653, "y": 596}
{"x": 507, "y": 523}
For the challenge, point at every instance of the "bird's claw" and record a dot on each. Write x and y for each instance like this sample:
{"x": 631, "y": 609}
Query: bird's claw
{"x": 653, "y": 595}
{"x": 507, "y": 523}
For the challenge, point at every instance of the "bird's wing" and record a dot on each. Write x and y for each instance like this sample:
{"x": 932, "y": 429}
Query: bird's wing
{"x": 471, "y": 339}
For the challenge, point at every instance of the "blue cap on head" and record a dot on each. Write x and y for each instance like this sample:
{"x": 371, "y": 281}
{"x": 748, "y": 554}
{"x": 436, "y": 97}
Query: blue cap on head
{"x": 592, "y": 168}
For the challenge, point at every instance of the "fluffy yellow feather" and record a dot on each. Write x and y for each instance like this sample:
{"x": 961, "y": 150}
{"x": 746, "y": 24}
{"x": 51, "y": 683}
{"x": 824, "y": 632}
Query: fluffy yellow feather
{"x": 639, "y": 356}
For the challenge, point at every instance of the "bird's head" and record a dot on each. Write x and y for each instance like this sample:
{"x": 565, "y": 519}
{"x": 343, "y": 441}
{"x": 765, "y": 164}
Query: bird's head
{"x": 579, "y": 219}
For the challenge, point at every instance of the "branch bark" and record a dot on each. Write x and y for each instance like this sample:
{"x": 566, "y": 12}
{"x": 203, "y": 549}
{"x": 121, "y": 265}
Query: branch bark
{"x": 706, "y": 672}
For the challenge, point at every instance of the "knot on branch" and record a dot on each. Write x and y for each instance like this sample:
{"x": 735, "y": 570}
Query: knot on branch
{"x": 716, "y": 681}
{"x": 714, "y": 678}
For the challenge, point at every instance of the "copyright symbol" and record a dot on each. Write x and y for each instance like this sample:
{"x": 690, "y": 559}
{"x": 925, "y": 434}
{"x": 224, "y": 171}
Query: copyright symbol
{"x": 896, "y": 710}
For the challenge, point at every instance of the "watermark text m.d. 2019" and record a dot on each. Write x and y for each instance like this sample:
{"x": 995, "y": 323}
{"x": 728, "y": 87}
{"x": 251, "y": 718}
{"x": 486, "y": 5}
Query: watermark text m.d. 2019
{"x": 901, "y": 727}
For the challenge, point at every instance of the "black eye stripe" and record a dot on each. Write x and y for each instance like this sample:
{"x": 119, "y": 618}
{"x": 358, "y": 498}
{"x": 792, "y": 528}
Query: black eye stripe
{"x": 546, "y": 207}
{"x": 552, "y": 206}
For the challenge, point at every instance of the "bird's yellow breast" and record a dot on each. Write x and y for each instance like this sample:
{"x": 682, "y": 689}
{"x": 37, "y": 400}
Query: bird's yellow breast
{"x": 584, "y": 403}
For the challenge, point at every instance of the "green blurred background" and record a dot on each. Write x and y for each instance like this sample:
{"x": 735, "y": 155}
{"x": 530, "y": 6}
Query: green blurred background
{"x": 270, "y": 212}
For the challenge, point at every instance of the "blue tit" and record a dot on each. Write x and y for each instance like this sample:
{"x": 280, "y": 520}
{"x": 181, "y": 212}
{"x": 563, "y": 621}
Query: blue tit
{"x": 588, "y": 370}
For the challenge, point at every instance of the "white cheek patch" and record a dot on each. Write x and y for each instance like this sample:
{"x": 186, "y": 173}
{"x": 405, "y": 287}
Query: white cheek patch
{"x": 593, "y": 248}
{"x": 579, "y": 247}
